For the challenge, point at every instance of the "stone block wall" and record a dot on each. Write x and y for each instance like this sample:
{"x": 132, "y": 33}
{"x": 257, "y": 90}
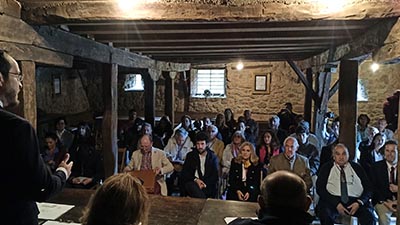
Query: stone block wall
{"x": 379, "y": 85}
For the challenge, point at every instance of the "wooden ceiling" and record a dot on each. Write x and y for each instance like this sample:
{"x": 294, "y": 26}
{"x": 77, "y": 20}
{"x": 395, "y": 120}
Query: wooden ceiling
{"x": 210, "y": 41}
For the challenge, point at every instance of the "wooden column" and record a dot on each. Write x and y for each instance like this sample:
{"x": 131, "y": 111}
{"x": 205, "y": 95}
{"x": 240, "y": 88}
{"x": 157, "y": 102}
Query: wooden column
{"x": 398, "y": 167}
{"x": 348, "y": 104}
{"x": 110, "y": 119}
{"x": 28, "y": 101}
{"x": 149, "y": 97}
{"x": 169, "y": 95}
{"x": 308, "y": 98}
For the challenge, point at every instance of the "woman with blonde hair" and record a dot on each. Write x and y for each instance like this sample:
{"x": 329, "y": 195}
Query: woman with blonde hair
{"x": 121, "y": 200}
{"x": 245, "y": 175}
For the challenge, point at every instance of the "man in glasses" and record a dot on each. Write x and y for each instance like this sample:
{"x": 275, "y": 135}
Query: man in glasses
{"x": 24, "y": 176}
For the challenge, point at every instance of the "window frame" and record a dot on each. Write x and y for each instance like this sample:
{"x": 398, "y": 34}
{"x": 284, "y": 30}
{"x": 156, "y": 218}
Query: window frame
{"x": 194, "y": 83}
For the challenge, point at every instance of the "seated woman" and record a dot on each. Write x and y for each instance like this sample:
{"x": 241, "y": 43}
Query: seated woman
{"x": 88, "y": 164}
{"x": 268, "y": 147}
{"x": 245, "y": 175}
{"x": 54, "y": 151}
{"x": 373, "y": 153}
{"x": 231, "y": 151}
{"x": 120, "y": 200}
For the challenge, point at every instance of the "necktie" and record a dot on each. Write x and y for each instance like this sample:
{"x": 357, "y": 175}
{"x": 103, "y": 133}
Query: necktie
{"x": 343, "y": 187}
{"x": 392, "y": 179}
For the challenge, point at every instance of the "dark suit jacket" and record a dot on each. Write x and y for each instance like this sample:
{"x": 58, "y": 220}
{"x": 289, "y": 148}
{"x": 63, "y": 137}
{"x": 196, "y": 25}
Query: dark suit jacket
{"x": 210, "y": 176}
{"x": 24, "y": 176}
{"x": 380, "y": 182}
{"x": 366, "y": 159}
{"x": 251, "y": 185}
{"x": 332, "y": 200}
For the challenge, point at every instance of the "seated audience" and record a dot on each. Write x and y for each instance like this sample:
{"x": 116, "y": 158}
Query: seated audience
{"x": 365, "y": 133}
{"x": 231, "y": 151}
{"x": 289, "y": 160}
{"x": 312, "y": 138}
{"x": 54, "y": 151}
{"x": 148, "y": 129}
{"x": 200, "y": 170}
{"x": 274, "y": 123}
{"x": 121, "y": 200}
{"x": 65, "y": 136}
{"x": 129, "y": 134}
{"x": 206, "y": 122}
{"x": 283, "y": 201}
{"x": 384, "y": 181}
{"x": 287, "y": 117}
{"x": 176, "y": 150}
{"x": 215, "y": 144}
{"x": 251, "y": 127}
{"x": 245, "y": 175}
{"x": 344, "y": 189}
{"x": 268, "y": 147}
{"x": 230, "y": 120}
{"x": 88, "y": 167}
{"x": 151, "y": 158}
{"x": 307, "y": 149}
{"x": 164, "y": 129}
{"x": 373, "y": 153}
{"x": 225, "y": 133}
{"x": 382, "y": 124}
{"x": 186, "y": 123}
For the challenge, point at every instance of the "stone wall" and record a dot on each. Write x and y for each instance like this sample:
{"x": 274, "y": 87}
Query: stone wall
{"x": 285, "y": 87}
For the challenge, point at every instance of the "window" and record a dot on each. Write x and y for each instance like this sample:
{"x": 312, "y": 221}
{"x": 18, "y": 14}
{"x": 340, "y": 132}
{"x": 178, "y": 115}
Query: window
{"x": 208, "y": 83}
{"x": 362, "y": 94}
{"x": 133, "y": 82}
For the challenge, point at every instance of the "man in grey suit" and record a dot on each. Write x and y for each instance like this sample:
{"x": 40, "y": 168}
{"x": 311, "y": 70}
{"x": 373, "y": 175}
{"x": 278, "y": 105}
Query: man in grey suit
{"x": 24, "y": 176}
{"x": 291, "y": 161}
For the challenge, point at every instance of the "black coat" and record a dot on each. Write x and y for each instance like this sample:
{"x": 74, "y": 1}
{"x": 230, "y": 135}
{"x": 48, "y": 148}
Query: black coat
{"x": 25, "y": 178}
{"x": 380, "y": 182}
{"x": 210, "y": 176}
{"x": 251, "y": 185}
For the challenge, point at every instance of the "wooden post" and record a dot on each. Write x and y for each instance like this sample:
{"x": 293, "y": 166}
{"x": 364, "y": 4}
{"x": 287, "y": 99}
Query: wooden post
{"x": 110, "y": 119}
{"x": 170, "y": 95}
{"x": 149, "y": 97}
{"x": 28, "y": 69}
{"x": 324, "y": 81}
{"x": 348, "y": 104}
{"x": 308, "y": 98}
{"x": 398, "y": 168}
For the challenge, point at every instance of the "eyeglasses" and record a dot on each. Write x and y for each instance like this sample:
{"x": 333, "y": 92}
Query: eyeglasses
{"x": 17, "y": 75}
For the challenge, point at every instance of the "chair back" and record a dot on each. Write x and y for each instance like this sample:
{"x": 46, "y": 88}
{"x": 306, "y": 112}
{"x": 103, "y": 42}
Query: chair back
{"x": 148, "y": 179}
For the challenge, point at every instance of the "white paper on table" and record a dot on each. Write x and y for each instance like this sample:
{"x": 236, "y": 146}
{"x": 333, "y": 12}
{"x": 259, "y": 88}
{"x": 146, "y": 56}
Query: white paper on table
{"x": 51, "y": 211}
{"x": 230, "y": 219}
{"x": 59, "y": 223}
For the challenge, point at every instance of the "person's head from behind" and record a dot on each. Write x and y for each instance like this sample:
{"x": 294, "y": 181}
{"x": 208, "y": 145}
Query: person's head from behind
{"x": 283, "y": 189}
{"x": 10, "y": 80}
{"x": 121, "y": 200}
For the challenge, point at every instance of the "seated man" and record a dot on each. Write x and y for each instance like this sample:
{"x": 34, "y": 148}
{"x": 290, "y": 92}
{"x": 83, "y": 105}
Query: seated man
{"x": 289, "y": 160}
{"x": 200, "y": 170}
{"x": 384, "y": 180}
{"x": 283, "y": 200}
{"x": 150, "y": 158}
{"x": 344, "y": 189}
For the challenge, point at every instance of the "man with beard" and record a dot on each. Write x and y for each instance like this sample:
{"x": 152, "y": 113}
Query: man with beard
{"x": 25, "y": 178}
{"x": 200, "y": 170}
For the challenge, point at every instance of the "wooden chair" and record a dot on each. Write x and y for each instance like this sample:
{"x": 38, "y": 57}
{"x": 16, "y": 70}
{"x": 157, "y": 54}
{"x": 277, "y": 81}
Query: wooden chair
{"x": 121, "y": 159}
{"x": 148, "y": 179}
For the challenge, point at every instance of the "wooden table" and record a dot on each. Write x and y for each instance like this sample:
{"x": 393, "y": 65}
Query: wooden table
{"x": 166, "y": 210}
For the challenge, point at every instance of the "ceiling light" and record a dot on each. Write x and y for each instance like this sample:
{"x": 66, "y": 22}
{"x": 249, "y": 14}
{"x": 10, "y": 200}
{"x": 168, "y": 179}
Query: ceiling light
{"x": 327, "y": 6}
{"x": 374, "y": 67}
{"x": 239, "y": 66}
{"x": 126, "y": 5}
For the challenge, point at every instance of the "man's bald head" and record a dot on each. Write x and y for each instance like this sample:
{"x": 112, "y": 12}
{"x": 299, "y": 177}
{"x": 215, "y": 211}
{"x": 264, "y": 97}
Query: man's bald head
{"x": 284, "y": 189}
